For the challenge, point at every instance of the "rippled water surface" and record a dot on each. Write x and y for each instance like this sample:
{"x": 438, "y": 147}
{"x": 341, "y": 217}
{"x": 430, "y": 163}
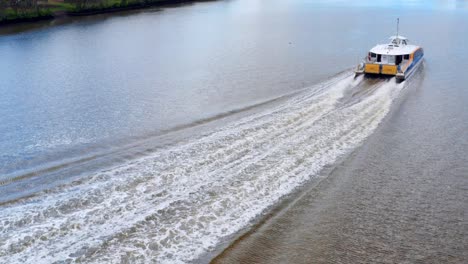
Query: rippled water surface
{"x": 161, "y": 135}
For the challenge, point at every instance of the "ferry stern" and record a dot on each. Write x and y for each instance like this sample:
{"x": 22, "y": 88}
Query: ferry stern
{"x": 398, "y": 58}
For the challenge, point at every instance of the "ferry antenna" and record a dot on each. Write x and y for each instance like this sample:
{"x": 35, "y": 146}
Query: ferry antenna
{"x": 397, "y": 26}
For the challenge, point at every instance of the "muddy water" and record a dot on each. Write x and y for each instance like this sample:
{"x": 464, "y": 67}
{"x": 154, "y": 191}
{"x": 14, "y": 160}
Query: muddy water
{"x": 159, "y": 136}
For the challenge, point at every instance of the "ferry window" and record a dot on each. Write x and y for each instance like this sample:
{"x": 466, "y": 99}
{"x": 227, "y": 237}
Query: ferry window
{"x": 379, "y": 58}
{"x": 404, "y": 42}
{"x": 406, "y": 57}
{"x": 398, "y": 59}
{"x": 373, "y": 55}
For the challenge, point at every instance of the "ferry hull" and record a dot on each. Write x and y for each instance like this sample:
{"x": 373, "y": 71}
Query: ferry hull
{"x": 409, "y": 71}
{"x": 376, "y": 70}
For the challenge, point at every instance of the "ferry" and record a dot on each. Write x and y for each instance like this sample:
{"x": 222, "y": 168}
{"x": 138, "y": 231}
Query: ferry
{"x": 397, "y": 58}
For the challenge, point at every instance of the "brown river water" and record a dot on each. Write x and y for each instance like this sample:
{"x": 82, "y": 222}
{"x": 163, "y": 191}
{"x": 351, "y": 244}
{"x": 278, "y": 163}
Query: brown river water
{"x": 234, "y": 132}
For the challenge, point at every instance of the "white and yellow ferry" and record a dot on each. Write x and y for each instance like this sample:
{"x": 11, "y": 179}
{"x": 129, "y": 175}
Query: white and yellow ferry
{"x": 397, "y": 58}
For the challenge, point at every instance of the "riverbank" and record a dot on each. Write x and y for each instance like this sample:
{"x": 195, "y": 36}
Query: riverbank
{"x": 58, "y": 8}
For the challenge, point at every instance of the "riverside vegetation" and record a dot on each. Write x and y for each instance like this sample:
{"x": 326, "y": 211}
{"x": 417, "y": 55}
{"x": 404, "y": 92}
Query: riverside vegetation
{"x": 31, "y": 10}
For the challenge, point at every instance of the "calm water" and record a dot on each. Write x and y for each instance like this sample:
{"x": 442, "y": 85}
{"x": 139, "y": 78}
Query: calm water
{"x": 161, "y": 135}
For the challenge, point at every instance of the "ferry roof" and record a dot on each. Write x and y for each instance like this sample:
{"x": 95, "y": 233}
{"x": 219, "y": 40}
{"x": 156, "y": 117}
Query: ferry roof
{"x": 397, "y": 37}
{"x": 389, "y": 49}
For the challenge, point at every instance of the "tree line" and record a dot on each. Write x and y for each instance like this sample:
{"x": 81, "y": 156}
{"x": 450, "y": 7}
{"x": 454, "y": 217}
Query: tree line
{"x": 14, "y": 9}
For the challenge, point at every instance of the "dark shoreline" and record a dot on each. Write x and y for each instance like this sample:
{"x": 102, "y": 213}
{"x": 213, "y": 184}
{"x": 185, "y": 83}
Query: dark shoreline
{"x": 97, "y": 11}
{"x": 88, "y": 12}
{"x": 27, "y": 19}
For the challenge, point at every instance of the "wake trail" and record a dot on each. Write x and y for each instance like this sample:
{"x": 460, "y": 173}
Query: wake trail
{"x": 181, "y": 201}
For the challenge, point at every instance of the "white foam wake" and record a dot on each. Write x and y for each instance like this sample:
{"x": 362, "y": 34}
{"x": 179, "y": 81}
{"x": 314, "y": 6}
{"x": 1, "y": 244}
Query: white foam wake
{"x": 179, "y": 202}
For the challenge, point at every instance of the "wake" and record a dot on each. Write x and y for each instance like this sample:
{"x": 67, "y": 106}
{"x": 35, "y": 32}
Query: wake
{"x": 181, "y": 201}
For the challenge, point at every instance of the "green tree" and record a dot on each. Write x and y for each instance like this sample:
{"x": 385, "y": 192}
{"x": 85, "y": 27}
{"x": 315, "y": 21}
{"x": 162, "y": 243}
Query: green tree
{"x": 14, "y": 4}
{"x": 3, "y": 7}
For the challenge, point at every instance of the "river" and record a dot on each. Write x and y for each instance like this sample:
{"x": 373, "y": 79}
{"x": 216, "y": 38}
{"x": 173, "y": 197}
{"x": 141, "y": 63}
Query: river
{"x": 163, "y": 135}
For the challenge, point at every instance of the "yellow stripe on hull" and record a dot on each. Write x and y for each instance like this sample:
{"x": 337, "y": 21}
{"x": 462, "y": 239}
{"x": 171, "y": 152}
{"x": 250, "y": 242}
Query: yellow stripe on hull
{"x": 372, "y": 68}
{"x": 389, "y": 69}
{"x": 380, "y": 69}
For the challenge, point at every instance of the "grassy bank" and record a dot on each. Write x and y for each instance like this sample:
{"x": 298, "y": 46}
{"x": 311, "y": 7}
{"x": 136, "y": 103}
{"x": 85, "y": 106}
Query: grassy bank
{"x": 13, "y": 11}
